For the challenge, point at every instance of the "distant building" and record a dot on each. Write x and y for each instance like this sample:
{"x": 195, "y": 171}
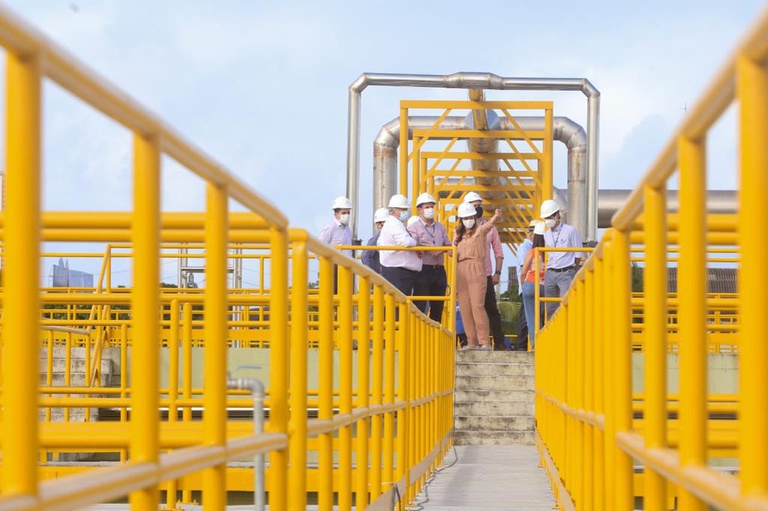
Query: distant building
{"x": 62, "y": 276}
{"x": 719, "y": 280}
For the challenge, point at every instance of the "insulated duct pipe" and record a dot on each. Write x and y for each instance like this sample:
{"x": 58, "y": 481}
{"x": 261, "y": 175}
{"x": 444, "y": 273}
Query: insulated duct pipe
{"x": 563, "y": 129}
{"x": 473, "y": 81}
{"x": 610, "y": 201}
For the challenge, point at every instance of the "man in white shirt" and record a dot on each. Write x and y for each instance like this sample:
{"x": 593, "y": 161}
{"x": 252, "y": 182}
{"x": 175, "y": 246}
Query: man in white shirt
{"x": 432, "y": 280}
{"x": 561, "y": 266}
{"x": 400, "y": 267}
{"x": 338, "y": 231}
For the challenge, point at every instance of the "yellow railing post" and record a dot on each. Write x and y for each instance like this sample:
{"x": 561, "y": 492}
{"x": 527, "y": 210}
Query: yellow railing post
{"x": 173, "y": 387}
{"x": 145, "y": 302}
{"x": 21, "y": 314}
{"x": 609, "y": 342}
{"x": 279, "y": 366}
{"x": 403, "y": 415}
{"x": 390, "y": 334}
{"x": 692, "y": 279}
{"x": 363, "y": 390}
{"x": 622, "y": 363}
{"x": 215, "y": 364}
{"x": 752, "y": 92}
{"x": 377, "y": 379}
{"x": 345, "y": 387}
{"x": 325, "y": 384}
{"x": 598, "y": 370}
{"x": 297, "y": 475}
{"x": 655, "y": 341}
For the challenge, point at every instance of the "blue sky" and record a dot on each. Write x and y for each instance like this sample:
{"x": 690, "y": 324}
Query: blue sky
{"x": 262, "y": 85}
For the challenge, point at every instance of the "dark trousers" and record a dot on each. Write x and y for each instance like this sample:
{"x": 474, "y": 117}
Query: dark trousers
{"x": 522, "y": 329}
{"x": 402, "y": 278}
{"x": 431, "y": 281}
{"x": 494, "y": 318}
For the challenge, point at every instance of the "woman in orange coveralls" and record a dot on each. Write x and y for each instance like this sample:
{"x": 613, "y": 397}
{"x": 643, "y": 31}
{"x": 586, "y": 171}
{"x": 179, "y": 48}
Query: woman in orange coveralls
{"x": 471, "y": 250}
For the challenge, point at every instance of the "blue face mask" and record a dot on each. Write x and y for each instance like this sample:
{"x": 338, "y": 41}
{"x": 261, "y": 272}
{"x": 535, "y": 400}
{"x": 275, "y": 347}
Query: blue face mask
{"x": 404, "y": 215}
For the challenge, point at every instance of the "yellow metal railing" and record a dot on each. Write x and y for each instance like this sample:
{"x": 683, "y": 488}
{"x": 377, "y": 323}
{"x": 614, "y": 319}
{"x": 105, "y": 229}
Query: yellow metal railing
{"x": 593, "y": 432}
{"x": 394, "y": 418}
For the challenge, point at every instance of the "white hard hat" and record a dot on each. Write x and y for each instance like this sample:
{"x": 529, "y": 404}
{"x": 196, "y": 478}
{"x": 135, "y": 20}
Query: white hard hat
{"x": 341, "y": 203}
{"x": 411, "y": 220}
{"x": 533, "y": 224}
{"x": 466, "y": 210}
{"x": 381, "y": 215}
{"x": 424, "y": 198}
{"x": 540, "y": 228}
{"x": 472, "y": 197}
{"x": 548, "y": 208}
{"x": 399, "y": 201}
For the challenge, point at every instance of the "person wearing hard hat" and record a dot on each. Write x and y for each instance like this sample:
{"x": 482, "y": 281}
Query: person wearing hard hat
{"x": 561, "y": 266}
{"x": 493, "y": 277}
{"x": 431, "y": 280}
{"x": 471, "y": 250}
{"x": 522, "y": 251}
{"x": 400, "y": 267}
{"x": 530, "y": 280}
{"x": 370, "y": 258}
{"x": 338, "y": 231}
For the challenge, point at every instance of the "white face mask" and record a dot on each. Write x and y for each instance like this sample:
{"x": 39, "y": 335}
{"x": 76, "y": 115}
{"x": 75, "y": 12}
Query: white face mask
{"x": 343, "y": 219}
{"x": 404, "y": 215}
{"x": 468, "y": 222}
{"x": 429, "y": 213}
{"x": 550, "y": 222}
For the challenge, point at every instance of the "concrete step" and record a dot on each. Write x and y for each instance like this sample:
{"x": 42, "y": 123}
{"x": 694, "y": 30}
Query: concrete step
{"x": 61, "y": 352}
{"x": 495, "y": 382}
{"x": 494, "y": 396}
{"x": 75, "y": 365}
{"x": 505, "y": 357}
{"x": 75, "y": 415}
{"x": 492, "y": 437}
{"x": 494, "y": 368}
{"x": 494, "y": 423}
{"x": 498, "y": 409}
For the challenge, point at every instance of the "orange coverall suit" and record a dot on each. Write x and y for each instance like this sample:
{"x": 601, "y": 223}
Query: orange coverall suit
{"x": 471, "y": 284}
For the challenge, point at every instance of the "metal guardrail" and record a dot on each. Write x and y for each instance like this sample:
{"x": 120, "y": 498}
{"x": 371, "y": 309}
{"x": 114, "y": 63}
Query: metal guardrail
{"x": 403, "y": 377}
{"x": 586, "y": 432}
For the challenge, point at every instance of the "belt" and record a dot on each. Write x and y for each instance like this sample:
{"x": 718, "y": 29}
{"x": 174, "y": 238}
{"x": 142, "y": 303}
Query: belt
{"x": 434, "y": 266}
{"x": 558, "y": 270}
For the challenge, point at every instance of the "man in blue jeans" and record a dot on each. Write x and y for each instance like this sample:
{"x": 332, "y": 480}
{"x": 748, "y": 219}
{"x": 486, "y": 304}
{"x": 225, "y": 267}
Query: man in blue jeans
{"x": 561, "y": 266}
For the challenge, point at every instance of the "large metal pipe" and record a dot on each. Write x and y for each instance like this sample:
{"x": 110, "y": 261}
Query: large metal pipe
{"x": 473, "y": 81}
{"x": 563, "y": 130}
{"x": 610, "y": 201}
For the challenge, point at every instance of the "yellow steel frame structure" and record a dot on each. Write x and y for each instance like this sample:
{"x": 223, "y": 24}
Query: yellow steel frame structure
{"x": 403, "y": 380}
{"x": 586, "y": 432}
{"x": 426, "y": 168}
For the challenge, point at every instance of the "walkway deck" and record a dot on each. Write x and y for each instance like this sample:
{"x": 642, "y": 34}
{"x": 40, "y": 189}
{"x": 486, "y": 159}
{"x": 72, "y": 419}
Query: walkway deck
{"x": 490, "y": 477}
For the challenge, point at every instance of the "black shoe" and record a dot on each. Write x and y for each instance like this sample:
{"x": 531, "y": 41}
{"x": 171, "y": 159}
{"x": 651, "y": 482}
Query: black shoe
{"x": 500, "y": 346}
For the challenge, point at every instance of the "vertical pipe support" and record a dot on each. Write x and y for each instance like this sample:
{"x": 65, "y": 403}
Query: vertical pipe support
{"x": 692, "y": 288}
{"x": 215, "y": 363}
{"x": 279, "y": 365}
{"x": 21, "y": 260}
{"x": 297, "y": 472}
{"x": 145, "y": 305}
{"x": 655, "y": 339}
{"x": 752, "y": 91}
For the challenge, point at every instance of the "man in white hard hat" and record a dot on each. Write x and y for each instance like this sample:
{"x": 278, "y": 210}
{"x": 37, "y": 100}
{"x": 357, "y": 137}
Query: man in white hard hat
{"x": 371, "y": 257}
{"x": 561, "y": 266}
{"x": 400, "y": 267}
{"x": 522, "y": 250}
{"x": 338, "y": 231}
{"x": 432, "y": 280}
{"x": 493, "y": 276}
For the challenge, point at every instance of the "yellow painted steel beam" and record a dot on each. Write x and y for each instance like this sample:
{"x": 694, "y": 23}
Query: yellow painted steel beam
{"x": 21, "y": 275}
{"x": 752, "y": 84}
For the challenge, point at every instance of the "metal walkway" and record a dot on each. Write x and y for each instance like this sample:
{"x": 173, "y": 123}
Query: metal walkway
{"x": 487, "y": 477}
